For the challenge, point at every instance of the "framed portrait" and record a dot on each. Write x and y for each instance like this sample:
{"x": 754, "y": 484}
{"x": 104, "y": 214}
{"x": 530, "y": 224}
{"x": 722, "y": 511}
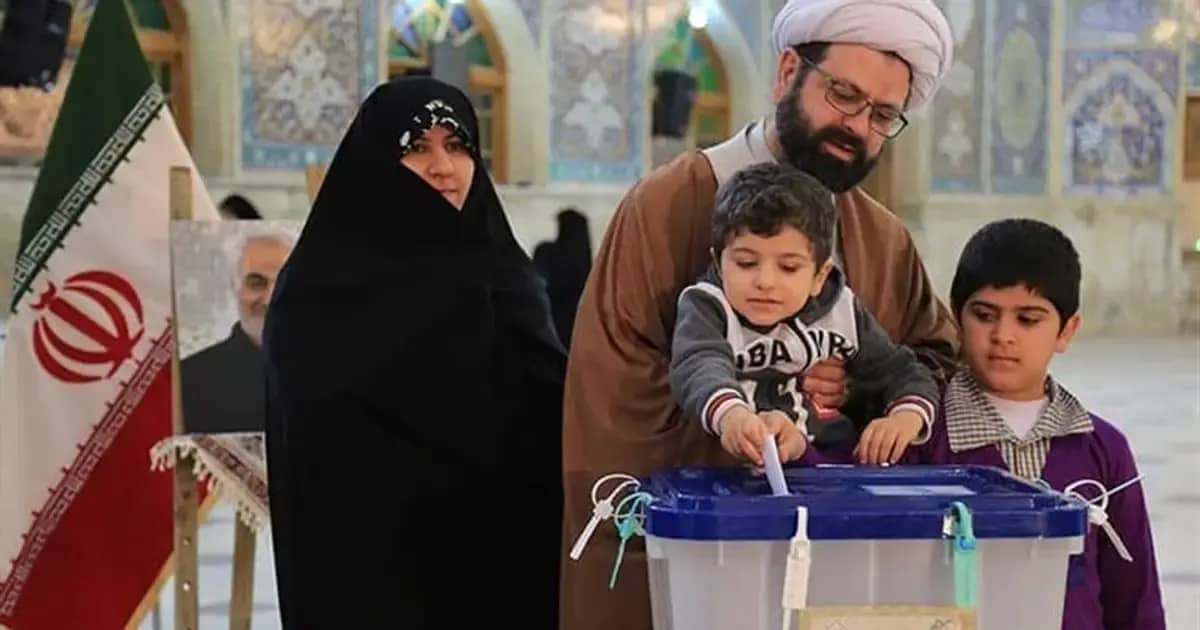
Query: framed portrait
{"x": 224, "y": 273}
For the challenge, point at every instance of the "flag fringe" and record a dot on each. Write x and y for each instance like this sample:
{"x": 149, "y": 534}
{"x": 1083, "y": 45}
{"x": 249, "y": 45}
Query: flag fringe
{"x": 166, "y": 455}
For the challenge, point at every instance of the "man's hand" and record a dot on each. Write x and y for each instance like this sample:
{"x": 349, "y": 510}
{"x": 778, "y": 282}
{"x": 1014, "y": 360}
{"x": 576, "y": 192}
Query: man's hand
{"x": 825, "y": 383}
{"x": 886, "y": 438}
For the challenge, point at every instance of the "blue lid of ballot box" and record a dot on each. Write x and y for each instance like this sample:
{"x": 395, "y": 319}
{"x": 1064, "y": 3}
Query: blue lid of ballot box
{"x": 855, "y": 503}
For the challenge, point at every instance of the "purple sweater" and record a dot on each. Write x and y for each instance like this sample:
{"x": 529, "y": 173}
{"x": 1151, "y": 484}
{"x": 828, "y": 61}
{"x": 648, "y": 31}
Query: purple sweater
{"x": 1113, "y": 594}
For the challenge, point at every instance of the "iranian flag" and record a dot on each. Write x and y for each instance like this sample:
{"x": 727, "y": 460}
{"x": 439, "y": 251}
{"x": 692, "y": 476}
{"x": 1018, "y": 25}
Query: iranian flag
{"x": 85, "y": 391}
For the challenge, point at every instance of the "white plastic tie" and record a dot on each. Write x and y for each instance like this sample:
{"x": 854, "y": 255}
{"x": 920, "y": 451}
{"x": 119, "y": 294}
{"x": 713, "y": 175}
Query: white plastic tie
{"x": 799, "y": 565}
{"x": 1098, "y": 510}
{"x": 602, "y": 509}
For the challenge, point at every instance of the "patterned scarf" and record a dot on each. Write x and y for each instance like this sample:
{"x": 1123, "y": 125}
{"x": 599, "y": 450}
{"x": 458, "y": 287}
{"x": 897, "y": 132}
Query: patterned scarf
{"x": 972, "y": 422}
{"x": 435, "y": 113}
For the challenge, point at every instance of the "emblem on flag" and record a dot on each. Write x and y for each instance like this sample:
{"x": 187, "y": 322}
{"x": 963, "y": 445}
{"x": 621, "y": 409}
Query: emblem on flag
{"x": 113, "y": 338}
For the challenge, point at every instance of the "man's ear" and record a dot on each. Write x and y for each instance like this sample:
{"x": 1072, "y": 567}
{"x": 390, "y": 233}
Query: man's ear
{"x": 716, "y": 258}
{"x": 785, "y": 72}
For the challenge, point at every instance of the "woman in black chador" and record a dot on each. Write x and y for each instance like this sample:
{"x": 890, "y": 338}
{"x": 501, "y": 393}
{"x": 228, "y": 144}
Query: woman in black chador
{"x": 565, "y": 264}
{"x": 414, "y": 389}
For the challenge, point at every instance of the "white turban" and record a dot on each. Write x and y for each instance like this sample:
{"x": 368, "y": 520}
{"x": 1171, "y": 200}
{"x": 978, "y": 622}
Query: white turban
{"x": 916, "y": 30}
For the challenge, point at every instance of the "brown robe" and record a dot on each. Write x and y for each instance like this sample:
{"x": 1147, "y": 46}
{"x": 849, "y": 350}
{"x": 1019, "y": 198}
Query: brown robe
{"x": 619, "y": 414}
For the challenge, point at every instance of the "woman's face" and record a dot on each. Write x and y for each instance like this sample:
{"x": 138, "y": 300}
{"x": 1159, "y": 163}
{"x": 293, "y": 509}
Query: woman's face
{"x": 444, "y": 162}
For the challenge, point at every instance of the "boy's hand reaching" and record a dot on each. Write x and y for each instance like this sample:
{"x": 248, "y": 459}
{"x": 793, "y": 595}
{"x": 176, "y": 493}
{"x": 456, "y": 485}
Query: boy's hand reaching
{"x": 743, "y": 434}
{"x": 885, "y": 438}
{"x": 790, "y": 439}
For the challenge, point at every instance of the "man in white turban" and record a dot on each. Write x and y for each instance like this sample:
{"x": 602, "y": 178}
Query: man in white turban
{"x": 913, "y": 30}
{"x": 847, "y": 72}
{"x": 875, "y": 60}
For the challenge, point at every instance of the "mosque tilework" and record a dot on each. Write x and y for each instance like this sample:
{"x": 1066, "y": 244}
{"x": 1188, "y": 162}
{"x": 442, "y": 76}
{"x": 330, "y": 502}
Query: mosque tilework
{"x": 1119, "y": 106}
{"x": 956, "y": 149}
{"x": 304, "y": 68}
{"x": 597, "y": 91}
{"x": 1020, "y": 51}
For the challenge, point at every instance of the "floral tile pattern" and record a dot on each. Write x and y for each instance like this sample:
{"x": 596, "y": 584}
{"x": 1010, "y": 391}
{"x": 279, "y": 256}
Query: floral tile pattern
{"x": 1119, "y": 109}
{"x": 597, "y": 87}
{"x": 1020, "y": 52}
{"x": 956, "y": 150}
{"x": 304, "y": 67}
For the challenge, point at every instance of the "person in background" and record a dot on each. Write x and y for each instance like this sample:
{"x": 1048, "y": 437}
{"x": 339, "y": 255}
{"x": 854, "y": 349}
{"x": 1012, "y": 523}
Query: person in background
{"x": 236, "y": 206}
{"x": 564, "y": 264}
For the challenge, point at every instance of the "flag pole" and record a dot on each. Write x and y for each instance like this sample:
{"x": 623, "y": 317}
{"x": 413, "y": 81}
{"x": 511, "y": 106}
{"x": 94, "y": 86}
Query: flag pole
{"x": 187, "y": 613}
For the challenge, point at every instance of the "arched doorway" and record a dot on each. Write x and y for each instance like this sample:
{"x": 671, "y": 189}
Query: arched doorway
{"x": 418, "y": 26}
{"x": 162, "y": 31}
{"x": 29, "y": 114}
{"x": 690, "y": 50}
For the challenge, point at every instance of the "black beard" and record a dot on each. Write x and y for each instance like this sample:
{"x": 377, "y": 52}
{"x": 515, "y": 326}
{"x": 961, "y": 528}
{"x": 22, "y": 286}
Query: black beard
{"x": 802, "y": 146}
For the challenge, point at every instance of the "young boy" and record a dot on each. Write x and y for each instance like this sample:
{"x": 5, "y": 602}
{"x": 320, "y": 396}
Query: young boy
{"x": 1016, "y": 296}
{"x": 771, "y": 306}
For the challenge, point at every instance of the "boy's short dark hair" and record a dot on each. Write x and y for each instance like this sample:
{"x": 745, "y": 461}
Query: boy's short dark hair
{"x": 762, "y": 199}
{"x": 1013, "y": 252}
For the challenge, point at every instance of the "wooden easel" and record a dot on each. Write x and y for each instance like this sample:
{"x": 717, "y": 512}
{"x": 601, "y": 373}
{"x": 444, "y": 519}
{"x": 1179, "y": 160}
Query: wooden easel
{"x": 241, "y": 599}
{"x": 187, "y": 511}
{"x": 187, "y": 522}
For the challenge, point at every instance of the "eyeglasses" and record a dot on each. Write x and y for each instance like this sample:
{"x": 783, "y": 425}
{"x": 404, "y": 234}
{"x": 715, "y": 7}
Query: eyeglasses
{"x": 885, "y": 120}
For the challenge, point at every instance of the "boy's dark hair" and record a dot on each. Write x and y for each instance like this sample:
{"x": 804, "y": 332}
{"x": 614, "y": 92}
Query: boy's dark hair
{"x": 761, "y": 199}
{"x": 1013, "y": 252}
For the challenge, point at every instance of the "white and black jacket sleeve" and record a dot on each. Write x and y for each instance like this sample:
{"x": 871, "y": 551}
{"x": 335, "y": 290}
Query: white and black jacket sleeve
{"x": 890, "y": 371}
{"x": 703, "y": 374}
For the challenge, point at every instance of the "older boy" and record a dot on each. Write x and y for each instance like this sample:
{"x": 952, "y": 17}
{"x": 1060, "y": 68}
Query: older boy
{"x": 1016, "y": 297}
